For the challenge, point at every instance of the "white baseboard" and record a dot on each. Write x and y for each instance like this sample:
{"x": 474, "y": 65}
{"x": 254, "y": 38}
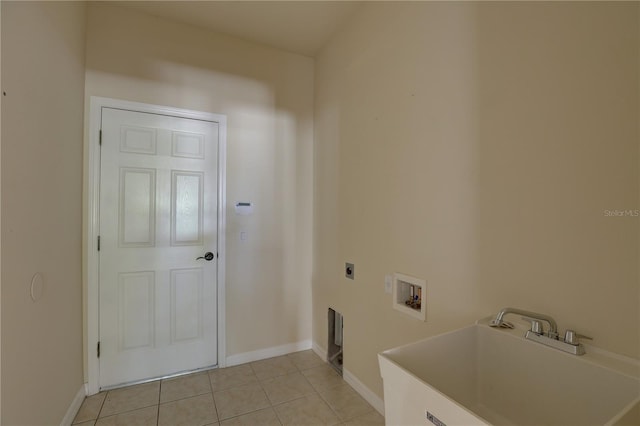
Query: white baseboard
{"x": 369, "y": 396}
{"x": 245, "y": 357}
{"x": 74, "y": 407}
{"x": 320, "y": 351}
{"x": 366, "y": 393}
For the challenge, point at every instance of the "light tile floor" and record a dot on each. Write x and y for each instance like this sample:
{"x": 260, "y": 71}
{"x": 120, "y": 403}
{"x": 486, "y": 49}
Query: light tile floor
{"x": 295, "y": 389}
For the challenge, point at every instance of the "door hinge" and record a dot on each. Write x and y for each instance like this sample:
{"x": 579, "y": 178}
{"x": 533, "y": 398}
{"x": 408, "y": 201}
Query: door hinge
{"x": 98, "y": 242}
{"x": 100, "y": 137}
{"x": 98, "y": 349}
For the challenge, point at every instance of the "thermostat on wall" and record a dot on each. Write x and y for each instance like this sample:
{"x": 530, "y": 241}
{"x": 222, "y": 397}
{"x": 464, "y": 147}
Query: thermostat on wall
{"x": 244, "y": 208}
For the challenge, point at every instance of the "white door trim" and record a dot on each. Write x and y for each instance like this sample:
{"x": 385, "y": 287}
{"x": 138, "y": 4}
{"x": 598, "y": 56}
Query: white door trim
{"x": 93, "y": 224}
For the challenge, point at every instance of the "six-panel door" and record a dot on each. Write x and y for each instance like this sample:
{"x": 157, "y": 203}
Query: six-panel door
{"x": 158, "y": 214}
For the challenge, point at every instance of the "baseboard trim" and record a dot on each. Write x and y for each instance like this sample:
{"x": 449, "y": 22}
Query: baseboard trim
{"x": 258, "y": 355}
{"x": 74, "y": 407}
{"x": 320, "y": 351}
{"x": 369, "y": 396}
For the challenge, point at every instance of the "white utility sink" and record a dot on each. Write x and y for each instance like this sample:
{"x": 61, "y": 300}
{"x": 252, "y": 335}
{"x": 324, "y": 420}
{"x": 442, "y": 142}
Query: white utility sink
{"x": 481, "y": 375}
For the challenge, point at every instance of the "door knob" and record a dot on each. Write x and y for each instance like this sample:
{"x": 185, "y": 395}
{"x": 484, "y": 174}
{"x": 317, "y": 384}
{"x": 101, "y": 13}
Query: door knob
{"x": 207, "y": 256}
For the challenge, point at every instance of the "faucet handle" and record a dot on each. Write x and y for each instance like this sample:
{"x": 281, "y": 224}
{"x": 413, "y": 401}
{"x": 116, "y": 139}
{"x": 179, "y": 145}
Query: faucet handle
{"x": 572, "y": 338}
{"x": 536, "y": 325}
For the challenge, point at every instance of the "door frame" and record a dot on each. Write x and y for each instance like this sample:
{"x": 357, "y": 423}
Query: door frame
{"x": 92, "y": 222}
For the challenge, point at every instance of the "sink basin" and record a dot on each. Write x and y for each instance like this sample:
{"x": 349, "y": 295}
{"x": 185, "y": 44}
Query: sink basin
{"x": 480, "y": 375}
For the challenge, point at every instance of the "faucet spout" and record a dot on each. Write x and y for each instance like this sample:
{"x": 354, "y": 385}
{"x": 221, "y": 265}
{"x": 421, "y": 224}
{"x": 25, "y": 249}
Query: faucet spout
{"x": 553, "y": 327}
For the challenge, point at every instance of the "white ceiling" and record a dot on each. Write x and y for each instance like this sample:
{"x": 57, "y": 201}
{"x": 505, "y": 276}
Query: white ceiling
{"x": 296, "y": 26}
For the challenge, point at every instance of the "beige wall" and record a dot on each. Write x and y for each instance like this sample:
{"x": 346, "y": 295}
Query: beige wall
{"x": 267, "y": 96}
{"x": 0, "y": 217}
{"x": 42, "y": 75}
{"x": 478, "y": 146}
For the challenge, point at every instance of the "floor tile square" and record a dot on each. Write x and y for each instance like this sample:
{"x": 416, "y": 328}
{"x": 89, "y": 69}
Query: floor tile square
{"x": 273, "y": 367}
{"x": 264, "y": 417}
{"x": 309, "y": 410}
{"x": 346, "y": 402}
{"x": 323, "y": 377}
{"x": 142, "y": 417}
{"x": 231, "y": 377}
{"x": 305, "y": 360}
{"x": 373, "y": 418}
{"x": 184, "y": 387}
{"x": 195, "y": 411}
{"x": 90, "y": 408}
{"x": 240, "y": 400}
{"x": 286, "y": 388}
{"x": 131, "y": 398}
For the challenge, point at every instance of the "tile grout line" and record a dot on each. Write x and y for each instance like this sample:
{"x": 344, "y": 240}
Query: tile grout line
{"x": 159, "y": 397}
{"x": 261, "y": 382}
{"x": 322, "y": 398}
{"x": 184, "y": 397}
{"x": 215, "y": 406}
{"x": 126, "y": 411}
{"x": 104, "y": 401}
{"x": 313, "y": 388}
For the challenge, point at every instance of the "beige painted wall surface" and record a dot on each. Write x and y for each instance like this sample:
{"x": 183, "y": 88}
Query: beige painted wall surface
{"x": 478, "y": 146}
{"x": 42, "y": 75}
{"x": 0, "y": 216}
{"x": 267, "y": 96}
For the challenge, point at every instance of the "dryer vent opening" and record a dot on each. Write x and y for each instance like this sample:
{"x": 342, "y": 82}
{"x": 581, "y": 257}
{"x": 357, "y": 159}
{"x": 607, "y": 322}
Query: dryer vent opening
{"x": 334, "y": 351}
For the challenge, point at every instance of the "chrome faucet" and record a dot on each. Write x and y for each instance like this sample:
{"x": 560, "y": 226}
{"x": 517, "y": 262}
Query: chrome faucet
{"x": 569, "y": 344}
{"x": 531, "y": 316}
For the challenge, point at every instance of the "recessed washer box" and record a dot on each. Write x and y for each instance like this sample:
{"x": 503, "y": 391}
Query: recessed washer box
{"x": 409, "y": 295}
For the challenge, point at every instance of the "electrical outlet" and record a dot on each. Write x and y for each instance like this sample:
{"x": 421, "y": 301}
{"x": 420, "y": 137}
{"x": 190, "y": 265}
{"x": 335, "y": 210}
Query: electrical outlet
{"x": 349, "y": 270}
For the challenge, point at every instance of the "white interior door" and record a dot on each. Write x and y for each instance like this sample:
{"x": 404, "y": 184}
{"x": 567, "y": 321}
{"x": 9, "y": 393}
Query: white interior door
{"x": 158, "y": 219}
